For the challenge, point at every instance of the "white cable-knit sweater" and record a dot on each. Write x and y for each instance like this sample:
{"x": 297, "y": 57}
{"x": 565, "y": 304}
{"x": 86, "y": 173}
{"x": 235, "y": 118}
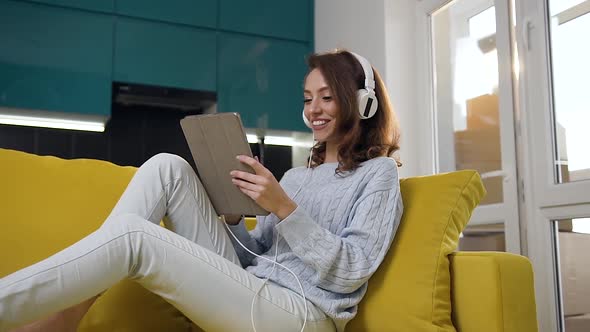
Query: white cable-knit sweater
{"x": 335, "y": 239}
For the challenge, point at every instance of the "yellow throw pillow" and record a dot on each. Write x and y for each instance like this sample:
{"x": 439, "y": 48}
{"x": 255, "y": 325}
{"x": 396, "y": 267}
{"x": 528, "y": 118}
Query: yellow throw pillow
{"x": 411, "y": 291}
{"x": 49, "y": 203}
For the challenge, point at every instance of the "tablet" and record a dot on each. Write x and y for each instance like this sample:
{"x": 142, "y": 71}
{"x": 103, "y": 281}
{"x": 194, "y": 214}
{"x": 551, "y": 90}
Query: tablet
{"x": 214, "y": 141}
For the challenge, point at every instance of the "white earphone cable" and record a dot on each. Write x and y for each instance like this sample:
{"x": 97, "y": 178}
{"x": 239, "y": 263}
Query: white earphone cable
{"x": 279, "y": 264}
{"x": 274, "y": 262}
{"x": 264, "y": 283}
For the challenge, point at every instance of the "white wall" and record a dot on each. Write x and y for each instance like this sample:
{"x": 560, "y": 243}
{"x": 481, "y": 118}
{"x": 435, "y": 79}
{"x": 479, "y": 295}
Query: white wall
{"x": 384, "y": 32}
{"x": 354, "y": 25}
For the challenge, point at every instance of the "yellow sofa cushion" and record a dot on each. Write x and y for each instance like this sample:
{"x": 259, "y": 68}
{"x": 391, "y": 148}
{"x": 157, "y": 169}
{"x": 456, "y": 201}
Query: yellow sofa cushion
{"x": 507, "y": 282}
{"x": 49, "y": 203}
{"x": 411, "y": 290}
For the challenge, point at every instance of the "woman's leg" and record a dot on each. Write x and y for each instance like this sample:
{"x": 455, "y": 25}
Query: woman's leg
{"x": 166, "y": 185}
{"x": 179, "y": 195}
{"x": 212, "y": 291}
{"x": 63, "y": 321}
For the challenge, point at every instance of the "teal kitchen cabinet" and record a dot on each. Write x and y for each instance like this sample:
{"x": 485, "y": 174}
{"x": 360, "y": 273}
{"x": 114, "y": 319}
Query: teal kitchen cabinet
{"x": 289, "y": 19}
{"x": 202, "y": 13}
{"x": 164, "y": 54}
{"x": 55, "y": 59}
{"x": 262, "y": 79}
{"x": 106, "y": 6}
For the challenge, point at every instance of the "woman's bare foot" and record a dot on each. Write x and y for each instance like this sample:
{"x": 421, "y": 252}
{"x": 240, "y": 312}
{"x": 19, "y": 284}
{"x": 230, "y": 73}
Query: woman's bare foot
{"x": 63, "y": 321}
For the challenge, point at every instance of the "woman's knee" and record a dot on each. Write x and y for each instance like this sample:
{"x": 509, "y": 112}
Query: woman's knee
{"x": 168, "y": 162}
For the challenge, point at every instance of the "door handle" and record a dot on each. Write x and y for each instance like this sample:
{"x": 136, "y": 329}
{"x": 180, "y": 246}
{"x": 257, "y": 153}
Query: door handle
{"x": 526, "y": 33}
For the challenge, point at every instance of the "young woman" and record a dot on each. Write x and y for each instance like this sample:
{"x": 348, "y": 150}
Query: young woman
{"x": 331, "y": 224}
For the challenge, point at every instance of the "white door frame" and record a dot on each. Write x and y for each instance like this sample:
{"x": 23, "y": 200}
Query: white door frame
{"x": 493, "y": 213}
{"x": 545, "y": 201}
{"x": 425, "y": 103}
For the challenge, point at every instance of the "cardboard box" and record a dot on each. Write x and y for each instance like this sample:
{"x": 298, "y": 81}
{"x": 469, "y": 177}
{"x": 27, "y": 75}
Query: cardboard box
{"x": 580, "y": 323}
{"x": 482, "y": 242}
{"x": 484, "y": 229}
{"x": 494, "y": 189}
{"x": 565, "y": 173}
{"x": 483, "y": 112}
{"x": 575, "y": 272}
{"x": 565, "y": 225}
{"x": 478, "y": 146}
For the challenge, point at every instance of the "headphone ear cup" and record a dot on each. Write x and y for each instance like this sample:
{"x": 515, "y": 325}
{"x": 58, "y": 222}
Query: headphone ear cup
{"x": 305, "y": 120}
{"x": 367, "y": 103}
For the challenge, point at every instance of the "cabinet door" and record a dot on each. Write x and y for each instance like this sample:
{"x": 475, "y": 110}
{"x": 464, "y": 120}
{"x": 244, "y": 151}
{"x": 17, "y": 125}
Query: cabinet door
{"x": 262, "y": 79}
{"x": 201, "y": 13}
{"x": 290, "y": 19}
{"x": 55, "y": 59}
{"x": 106, "y": 6}
{"x": 164, "y": 54}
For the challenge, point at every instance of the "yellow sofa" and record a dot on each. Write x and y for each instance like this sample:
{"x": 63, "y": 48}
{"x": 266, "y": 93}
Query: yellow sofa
{"x": 48, "y": 203}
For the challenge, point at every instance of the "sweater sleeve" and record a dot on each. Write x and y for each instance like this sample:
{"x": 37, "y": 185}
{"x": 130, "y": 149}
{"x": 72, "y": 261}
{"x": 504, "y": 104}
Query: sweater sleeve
{"x": 344, "y": 262}
{"x": 257, "y": 240}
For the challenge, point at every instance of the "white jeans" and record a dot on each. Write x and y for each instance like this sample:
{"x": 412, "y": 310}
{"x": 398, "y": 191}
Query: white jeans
{"x": 192, "y": 265}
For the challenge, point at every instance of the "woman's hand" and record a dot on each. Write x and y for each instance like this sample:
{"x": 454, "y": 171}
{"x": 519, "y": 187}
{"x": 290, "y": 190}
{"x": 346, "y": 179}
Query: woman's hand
{"x": 263, "y": 188}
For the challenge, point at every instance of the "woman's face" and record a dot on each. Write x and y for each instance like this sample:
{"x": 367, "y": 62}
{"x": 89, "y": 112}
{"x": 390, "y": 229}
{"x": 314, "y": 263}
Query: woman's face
{"x": 320, "y": 107}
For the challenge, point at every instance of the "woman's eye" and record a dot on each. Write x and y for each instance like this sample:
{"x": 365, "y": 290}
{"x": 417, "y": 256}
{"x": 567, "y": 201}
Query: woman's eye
{"x": 327, "y": 98}
{"x": 307, "y": 100}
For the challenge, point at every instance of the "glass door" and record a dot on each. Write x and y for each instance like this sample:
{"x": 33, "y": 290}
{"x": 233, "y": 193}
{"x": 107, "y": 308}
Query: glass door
{"x": 554, "y": 51}
{"x": 473, "y": 118}
{"x": 557, "y": 54}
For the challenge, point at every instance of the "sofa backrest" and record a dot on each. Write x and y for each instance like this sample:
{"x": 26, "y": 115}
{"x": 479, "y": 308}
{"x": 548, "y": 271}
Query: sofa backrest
{"x": 48, "y": 203}
{"x": 411, "y": 290}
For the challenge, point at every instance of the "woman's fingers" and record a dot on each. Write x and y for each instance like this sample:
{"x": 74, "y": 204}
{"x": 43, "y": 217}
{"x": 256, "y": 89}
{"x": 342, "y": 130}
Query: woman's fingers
{"x": 252, "y": 194}
{"x": 246, "y": 185}
{"x": 253, "y": 178}
{"x": 255, "y": 164}
{"x": 262, "y": 187}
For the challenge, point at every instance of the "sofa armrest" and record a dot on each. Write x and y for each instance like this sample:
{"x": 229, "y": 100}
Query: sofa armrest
{"x": 492, "y": 292}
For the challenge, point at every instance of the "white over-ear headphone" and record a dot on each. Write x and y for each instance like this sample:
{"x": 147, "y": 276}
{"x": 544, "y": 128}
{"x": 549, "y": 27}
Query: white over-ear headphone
{"x": 367, "y": 101}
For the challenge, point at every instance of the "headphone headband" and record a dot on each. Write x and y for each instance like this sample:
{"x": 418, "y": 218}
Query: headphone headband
{"x": 369, "y": 80}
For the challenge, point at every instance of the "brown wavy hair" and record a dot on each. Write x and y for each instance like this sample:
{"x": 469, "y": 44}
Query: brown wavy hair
{"x": 361, "y": 140}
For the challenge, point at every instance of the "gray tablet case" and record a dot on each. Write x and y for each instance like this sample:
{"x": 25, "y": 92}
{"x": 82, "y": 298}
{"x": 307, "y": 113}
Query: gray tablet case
{"x": 214, "y": 141}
